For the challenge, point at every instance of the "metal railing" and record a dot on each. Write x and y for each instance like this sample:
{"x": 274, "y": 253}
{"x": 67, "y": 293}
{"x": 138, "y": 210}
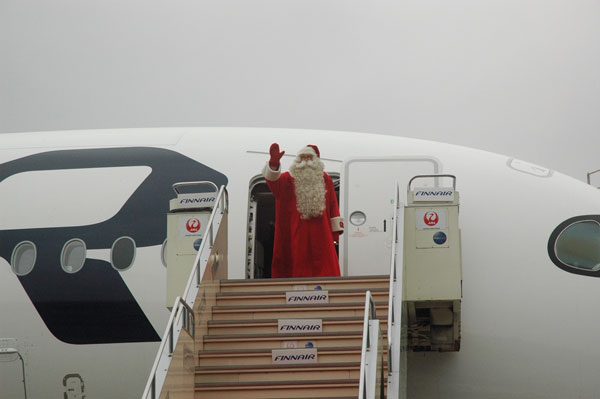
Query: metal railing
{"x": 182, "y": 315}
{"x": 396, "y": 387}
{"x": 369, "y": 383}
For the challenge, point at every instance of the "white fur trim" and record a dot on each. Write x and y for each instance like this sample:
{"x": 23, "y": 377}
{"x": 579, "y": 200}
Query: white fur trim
{"x": 337, "y": 224}
{"x": 271, "y": 174}
{"x": 308, "y": 151}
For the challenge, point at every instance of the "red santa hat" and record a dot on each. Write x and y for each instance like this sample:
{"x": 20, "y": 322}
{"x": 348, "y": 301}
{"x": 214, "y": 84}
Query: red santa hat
{"x": 310, "y": 149}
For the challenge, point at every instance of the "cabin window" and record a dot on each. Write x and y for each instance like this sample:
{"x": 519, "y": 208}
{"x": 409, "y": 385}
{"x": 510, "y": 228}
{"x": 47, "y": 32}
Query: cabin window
{"x": 261, "y": 226}
{"x": 574, "y": 245}
{"x": 23, "y": 258}
{"x": 122, "y": 253}
{"x": 72, "y": 256}
{"x": 579, "y": 245}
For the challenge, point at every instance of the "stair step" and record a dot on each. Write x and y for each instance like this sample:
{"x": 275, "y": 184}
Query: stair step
{"x": 279, "y": 297}
{"x": 236, "y": 357}
{"x": 308, "y": 284}
{"x": 280, "y": 390}
{"x": 279, "y": 341}
{"x": 248, "y": 312}
{"x": 270, "y": 326}
{"x": 297, "y": 372}
{"x": 263, "y": 356}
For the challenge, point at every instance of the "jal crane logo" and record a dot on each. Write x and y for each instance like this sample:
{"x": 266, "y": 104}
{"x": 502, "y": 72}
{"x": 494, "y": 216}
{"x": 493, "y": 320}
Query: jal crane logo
{"x": 193, "y": 225}
{"x": 431, "y": 218}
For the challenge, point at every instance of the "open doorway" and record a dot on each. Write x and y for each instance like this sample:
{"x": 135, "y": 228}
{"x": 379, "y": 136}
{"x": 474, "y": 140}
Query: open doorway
{"x": 261, "y": 226}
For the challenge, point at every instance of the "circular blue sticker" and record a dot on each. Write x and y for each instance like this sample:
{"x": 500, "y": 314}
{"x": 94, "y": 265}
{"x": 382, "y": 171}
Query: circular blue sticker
{"x": 440, "y": 238}
{"x": 197, "y": 244}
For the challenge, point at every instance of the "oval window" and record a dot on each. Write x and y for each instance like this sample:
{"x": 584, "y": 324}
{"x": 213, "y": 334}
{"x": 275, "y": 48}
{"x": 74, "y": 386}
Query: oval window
{"x": 23, "y": 258}
{"x": 578, "y": 245}
{"x": 72, "y": 256}
{"x": 122, "y": 253}
{"x": 358, "y": 218}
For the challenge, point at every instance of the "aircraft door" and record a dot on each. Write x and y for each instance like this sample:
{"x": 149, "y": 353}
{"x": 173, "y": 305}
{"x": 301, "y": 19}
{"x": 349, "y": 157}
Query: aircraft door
{"x": 367, "y": 198}
{"x": 12, "y": 372}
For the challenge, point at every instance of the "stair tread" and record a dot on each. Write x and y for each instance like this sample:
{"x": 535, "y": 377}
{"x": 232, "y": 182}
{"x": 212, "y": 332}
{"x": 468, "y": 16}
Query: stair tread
{"x": 332, "y": 292}
{"x": 299, "y": 279}
{"x": 280, "y": 367}
{"x": 275, "y": 321}
{"x": 277, "y": 383}
{"x": 213, "y": 352}
{"x": 287, "y": 306}
{"x": 283, "y": 336}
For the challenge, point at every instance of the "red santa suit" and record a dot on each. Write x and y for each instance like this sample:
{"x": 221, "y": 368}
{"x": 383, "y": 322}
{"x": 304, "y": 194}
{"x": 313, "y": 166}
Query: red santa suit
{"x": 304, "y": 247}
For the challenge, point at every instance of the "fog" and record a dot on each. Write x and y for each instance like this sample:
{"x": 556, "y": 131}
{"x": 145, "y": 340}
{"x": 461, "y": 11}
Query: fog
{"x": 515, "y": 77}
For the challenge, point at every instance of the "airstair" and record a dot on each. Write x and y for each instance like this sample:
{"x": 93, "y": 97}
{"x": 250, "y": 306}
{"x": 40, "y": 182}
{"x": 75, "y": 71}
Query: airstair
{"x": 293, "y": 338}
{"x": 252, "y": 324}
{"x": 276, "y": 338}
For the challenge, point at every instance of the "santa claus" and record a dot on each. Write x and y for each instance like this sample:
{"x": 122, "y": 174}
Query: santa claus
{"x": 307, "y": 216}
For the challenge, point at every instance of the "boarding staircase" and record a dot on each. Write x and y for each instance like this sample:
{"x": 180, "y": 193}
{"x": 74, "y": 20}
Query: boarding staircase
{"x": 228, "y": 338}
{"x": 243, "y": 334}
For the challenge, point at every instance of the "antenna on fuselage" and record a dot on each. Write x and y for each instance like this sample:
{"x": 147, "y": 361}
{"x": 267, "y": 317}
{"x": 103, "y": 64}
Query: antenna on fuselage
{"x": 589, "y": 176}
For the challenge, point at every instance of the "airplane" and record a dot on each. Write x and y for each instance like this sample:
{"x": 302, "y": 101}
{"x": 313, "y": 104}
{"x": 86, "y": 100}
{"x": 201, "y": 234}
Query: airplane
{"x": 83, "y": 229}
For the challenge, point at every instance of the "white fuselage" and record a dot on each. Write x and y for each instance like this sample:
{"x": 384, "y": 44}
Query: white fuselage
{"x": 528, "y": 327}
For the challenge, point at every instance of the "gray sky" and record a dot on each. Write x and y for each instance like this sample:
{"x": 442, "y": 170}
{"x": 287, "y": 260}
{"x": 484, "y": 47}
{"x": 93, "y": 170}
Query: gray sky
{"x": 519, "y": 77}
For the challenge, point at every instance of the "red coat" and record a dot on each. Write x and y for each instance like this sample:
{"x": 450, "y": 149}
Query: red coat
{"x": 303, "y": 247}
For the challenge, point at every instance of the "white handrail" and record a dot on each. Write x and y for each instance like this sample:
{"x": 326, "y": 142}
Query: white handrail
{"x": 367, "y": 386}
{"x": 394, "y": 326}
{"x": 183, "y": 305}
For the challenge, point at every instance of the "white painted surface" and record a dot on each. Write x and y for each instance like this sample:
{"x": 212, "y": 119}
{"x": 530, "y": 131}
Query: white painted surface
{"x": 527, "y": 330}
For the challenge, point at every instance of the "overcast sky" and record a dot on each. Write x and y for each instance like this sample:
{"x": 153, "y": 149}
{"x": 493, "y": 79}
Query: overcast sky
{"x": 519, "y": 77}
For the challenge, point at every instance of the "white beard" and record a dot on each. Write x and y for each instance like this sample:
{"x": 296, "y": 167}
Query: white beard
{"x": 310, "y": 187}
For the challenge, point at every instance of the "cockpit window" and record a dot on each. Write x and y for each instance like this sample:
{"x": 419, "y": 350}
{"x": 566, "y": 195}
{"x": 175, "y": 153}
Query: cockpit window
{"x": 67, "y": 197}
{"x": 574, "y": 245}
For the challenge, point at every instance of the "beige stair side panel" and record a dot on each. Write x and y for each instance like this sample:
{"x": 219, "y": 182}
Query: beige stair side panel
{"x": 215, "y": 272}
{"x": 181, "y": 374}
